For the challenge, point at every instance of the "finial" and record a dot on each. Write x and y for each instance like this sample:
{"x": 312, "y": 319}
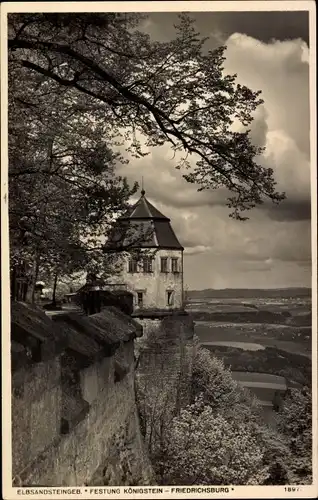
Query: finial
{"x": 143, "y": 192}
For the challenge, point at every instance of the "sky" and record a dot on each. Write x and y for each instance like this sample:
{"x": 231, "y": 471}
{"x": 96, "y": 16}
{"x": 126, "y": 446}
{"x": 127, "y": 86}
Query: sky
{"x": 269, "y": 52}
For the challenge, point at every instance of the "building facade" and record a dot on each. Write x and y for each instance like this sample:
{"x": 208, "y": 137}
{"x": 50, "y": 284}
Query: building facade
{"x": 151, "y": 259}
{"x": 152, "y": 270}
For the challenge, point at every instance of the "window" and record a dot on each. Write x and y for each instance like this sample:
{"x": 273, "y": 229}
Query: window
{"x": 132, "y": 266}
{"x": 164, "y": 264}
{"x": 147, "y": 264}
{"x": 170, "y": 295}
{"x": 175, "y": 265}
{"x": 140, "y": 299}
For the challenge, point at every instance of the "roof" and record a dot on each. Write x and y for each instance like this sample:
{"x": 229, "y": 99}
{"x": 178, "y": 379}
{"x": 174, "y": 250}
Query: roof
{"x": 143, "y": 226}
{"x": 143, "y": 209}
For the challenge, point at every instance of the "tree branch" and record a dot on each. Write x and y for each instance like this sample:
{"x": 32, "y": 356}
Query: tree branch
{"x": 124, "y": 91}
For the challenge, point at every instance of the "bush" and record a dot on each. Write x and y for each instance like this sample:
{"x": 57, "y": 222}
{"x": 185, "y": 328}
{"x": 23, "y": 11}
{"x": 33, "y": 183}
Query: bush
{"x": 205, "y": 448}
{"x": 295, "y": 423}
{"x": 214, "y": 383}
{"x": 221, "y": 437}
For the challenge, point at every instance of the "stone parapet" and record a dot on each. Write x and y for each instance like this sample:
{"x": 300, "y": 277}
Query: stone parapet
{"x": 73, "y": 399}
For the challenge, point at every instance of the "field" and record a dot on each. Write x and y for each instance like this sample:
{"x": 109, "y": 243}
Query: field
{"x": 260, "y": 337}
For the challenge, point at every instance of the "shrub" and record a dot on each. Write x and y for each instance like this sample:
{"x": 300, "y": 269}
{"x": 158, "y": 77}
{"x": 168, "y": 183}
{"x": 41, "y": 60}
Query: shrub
{"x": 295, "y": 423}
{"x": 205, "y": 448}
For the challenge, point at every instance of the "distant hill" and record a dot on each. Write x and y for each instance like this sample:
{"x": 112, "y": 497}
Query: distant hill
{"x": 233, "y": 293}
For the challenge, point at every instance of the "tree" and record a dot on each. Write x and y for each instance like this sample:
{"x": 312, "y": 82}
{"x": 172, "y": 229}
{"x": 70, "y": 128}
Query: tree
{"x": 215, "y": 384}
{"x": 169, "y": 92}
{"x": 295, "y": 424}
{"x": 287, "y": 451}
{"x": 63, "y": 191}
{"x": 277, "y": 475}
{"x": 219, "y": 438}
{"x": 205, "y": 448}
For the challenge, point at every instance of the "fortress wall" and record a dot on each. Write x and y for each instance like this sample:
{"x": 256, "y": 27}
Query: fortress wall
{"x": 164, "y": 369}
{"x": 74, "y": 417}
{"x": 36, "y": 410}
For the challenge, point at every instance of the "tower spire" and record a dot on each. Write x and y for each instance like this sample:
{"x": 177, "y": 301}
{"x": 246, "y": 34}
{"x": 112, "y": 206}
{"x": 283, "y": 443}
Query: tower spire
{"x": 143, "y": 192}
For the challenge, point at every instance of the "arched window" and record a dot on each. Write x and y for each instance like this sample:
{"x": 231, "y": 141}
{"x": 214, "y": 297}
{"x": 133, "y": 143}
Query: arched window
{"x": 170, "y": 297}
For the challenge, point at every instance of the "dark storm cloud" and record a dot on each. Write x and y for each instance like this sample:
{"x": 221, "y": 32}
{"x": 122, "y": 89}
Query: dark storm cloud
{"x": 190, "y": 197}
{"x": 263, "y": 26}
{"x": 290, "y": 210}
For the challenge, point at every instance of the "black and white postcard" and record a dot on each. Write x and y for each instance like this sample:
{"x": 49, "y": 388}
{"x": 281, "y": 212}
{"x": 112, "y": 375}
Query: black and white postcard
{"x": 159, "y": 262}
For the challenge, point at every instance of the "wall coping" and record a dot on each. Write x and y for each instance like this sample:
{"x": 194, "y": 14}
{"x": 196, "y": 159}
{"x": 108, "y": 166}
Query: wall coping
{"x": 158, "y": 313}
{"x": 37, "y": 338}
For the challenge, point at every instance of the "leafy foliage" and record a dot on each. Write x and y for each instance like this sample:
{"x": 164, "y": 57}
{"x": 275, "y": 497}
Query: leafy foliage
{"x": 206, "y": 448}
{"x": 215, "y": 384}
{"x": 63, "y": 190}
{"x": 172, "y": 92}
{"x": 295, "y": 423}
{"x": 221, "y": 437}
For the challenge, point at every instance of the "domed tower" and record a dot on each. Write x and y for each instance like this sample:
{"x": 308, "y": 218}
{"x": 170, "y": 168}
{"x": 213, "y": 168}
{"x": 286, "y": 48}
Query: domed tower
{"x": 152, "y": 259}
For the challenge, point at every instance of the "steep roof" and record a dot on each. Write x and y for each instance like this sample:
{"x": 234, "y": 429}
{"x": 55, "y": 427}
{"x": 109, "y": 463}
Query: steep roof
{"x": 143, "y": 226}
{"x": 143, "y": 209}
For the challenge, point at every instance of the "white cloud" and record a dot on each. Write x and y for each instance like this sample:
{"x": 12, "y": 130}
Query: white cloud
{"x": 273, "y": 248}
{"x": 280, "y": 70}
{"x": 196, "y": 250}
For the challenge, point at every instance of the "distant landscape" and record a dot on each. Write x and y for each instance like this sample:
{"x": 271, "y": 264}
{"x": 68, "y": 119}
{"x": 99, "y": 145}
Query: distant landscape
{"x": 249, "y": 292}
{"x": 260, "y": 334}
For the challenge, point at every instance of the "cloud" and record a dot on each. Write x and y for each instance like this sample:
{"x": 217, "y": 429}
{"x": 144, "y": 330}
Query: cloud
{"x": 280, "y": 70}
{"x": 291, "y": 210}
{"x": 196, "y": 250}
{"x": 273, "y": 247}
{"x": 264, "y": 26}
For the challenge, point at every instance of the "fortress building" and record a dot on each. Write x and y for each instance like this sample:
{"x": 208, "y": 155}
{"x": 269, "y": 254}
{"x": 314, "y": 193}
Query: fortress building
{"x": 151, "y": 268}
{"x": 151, "y": 260}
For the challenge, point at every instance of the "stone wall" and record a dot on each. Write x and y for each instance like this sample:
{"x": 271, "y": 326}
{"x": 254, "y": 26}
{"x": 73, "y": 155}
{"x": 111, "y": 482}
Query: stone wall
{"x": 74, "y": 417}
{"x": 165, "y": 354}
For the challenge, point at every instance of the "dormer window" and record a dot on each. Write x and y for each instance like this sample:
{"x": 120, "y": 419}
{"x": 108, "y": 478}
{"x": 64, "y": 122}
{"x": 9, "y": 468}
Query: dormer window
{"x": 174, "y": 265}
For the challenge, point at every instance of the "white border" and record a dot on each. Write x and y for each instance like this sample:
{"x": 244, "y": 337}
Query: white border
{"x": 10, "y": 493}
